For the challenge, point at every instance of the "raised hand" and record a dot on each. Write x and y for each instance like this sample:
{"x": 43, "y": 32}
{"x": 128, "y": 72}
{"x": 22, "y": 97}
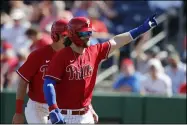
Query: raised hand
{"x": 152, "y": 21}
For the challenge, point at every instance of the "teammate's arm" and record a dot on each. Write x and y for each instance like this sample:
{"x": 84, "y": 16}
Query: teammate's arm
{"x": 20, "y": 95}
{"x": 50, "y": 97}
{"x": 124, "y": 38}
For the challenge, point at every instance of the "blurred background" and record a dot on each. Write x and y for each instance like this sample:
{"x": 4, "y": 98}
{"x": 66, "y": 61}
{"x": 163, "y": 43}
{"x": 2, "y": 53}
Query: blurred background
{"x": 143, "y": 82}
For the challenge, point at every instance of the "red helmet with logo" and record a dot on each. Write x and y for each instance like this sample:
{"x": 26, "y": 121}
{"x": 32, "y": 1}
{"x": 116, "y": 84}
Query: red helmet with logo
{"x": 59, "y": 27}
{"x": 78, "y": 24}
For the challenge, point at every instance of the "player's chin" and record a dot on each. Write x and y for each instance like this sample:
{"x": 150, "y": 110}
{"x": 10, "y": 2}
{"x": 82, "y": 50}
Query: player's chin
{"x": 85, "y": 45}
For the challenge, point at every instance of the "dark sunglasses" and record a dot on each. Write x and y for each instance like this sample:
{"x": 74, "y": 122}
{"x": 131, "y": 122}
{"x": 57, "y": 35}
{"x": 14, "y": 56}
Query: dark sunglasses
{"x": 85, "y": 34}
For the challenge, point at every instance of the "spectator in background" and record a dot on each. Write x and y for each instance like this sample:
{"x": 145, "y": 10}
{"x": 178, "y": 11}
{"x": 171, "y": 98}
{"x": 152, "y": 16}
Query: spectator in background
{"x": 80, "y": 8}
{"x": 49, "y": 13}
{"x": 156, "y": 81}
{"x": 144, "y": 57}
{"x": 13, "y": 32}
{"x": 98, "y": 25}
{"x": 128, "y": 80}
{"x": 61, "y": 12}
{"x": 182, "y": 89}
{"x": 21, "y": 56}
{"x": 184, "y": 52}
{"x": 5, "y": 18}
{"x": 8, "y": 63}
{"x": 110, "y": 15}
{"x": 62, "y": 15}
{"x": 100, "y": 28}
{"x": 164, "y": 5}
{"x": 65, "y": 15}
{"x": 38, "y": 38}
{"x": 53, "y": 10}
{"x": 8, "y": 56}
{"x": 19, "y": 4}
{"x": 36, "y": 14}
{"x": 168, "y": 50}
{"x": 176, "y": 70}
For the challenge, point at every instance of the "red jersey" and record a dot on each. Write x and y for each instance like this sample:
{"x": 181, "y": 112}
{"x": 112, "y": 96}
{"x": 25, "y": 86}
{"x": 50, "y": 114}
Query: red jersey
{"x": 76, "y": 75}
{"x": 33, "y": 71}
{"x": 10, "y": 61}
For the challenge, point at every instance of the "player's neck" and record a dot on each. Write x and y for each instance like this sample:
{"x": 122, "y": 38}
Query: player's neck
{"x": 77, "y": 49}
{"x": 57, "y": 46}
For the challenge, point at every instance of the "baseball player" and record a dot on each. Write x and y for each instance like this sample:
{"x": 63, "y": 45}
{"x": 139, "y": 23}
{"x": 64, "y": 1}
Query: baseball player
{"x": 32, "y": 73}
{"x": 69, "y": 82}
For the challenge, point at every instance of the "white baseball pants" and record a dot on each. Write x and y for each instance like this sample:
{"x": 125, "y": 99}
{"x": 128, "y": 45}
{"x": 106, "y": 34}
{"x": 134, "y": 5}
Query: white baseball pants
{"x": 78, "y": 119}
{"x": 36, "y": 112}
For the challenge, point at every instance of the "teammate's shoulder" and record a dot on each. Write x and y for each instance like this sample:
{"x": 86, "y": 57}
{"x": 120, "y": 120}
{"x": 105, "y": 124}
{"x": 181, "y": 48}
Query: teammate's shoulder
{"x": 41, "y": 50}
{"x": 65, "y": 50}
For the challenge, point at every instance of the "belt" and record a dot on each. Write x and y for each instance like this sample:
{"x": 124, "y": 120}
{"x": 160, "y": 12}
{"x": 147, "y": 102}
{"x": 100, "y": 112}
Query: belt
{"x": 77, "y": 112}
{"x": 65, "y": 112}
{"x": 82, "y": 112}
{"x": 74, "y": 112}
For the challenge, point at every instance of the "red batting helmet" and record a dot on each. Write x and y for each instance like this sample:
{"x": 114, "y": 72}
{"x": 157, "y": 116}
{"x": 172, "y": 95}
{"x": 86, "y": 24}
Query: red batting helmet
{"x": 78, "y": 24}
{"x": 58, "y": 27}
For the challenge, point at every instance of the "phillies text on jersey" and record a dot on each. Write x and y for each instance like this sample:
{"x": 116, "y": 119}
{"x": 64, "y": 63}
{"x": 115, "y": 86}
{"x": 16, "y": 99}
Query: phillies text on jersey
{"x": 76, "y": 74}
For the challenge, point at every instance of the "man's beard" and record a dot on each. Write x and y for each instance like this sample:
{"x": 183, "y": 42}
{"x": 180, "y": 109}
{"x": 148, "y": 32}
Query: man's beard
{"x": 86, "y": 44}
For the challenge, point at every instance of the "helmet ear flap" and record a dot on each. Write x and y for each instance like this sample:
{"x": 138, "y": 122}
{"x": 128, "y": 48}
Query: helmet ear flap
{"x": 55, "y": 37}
